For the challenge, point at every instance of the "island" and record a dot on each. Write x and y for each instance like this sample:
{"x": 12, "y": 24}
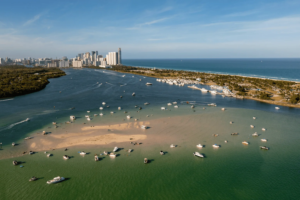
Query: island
{"x": 19, "y": 80}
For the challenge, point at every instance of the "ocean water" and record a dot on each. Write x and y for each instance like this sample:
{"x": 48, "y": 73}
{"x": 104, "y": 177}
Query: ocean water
{"x": 281, "y": 69}
{"x": 233, "y": 171}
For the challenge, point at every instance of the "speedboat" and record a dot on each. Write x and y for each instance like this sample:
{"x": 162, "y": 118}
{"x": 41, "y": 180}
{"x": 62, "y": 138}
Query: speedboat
{"x": 103, "y": 103}
{"x": 172, "y": 145}
{"x": 119, "y": 108}
{"x": 245, "y": 142}
{"x": 72, "y": 117}
{"x": 163, "y": 108}
{"x": 27, "y": 119}
{"x": 33, "y": 178}
{"x": 199, "y": 145}
{"x": 146, "y": 103}
{"x": 251, "y": 126}
{"x": 169, "y": 104}
{"x": 277, "y": 108}
{"x": 88, "y": 111}
{"x": 129, "y": 150}
{"x": 101, "y": 108}
{"x": 264, "y": 147}
{"x": 31, "y": 152}
{"x": 223, "y": 109}
{"x": 48, "y": 155}
{"x": 230, "y": 122}
{"x": 96, "y": 157}
{"x": 56, "y": 180}
{"x": 87, "y": 116}
{"x": 148, "y": 83}
{"x": 263, "y": 140}
{"x": 13, "y": 144}
{"x": 133, "y": 94}
{"x": 143, "y": 127}
{"x": 66, "y": 157}
{"x": 174, "y": 102}
{"x": 161, "y": 153}
{"x": 198, "y": 154}
{"x": 215, "y": 146}
{"x": 128, "y": 117}
{"x": 263, "y": 129}
{"x": 89, "y": 119}
{"x": 112, "y": 112}
{"x": 254, "y": 117}
{"x": 112, "y": 155}
{"x": 145, "y": 160}
{"x": 225, "y": 141}
{"x": 105, "y": 153}
{"x": 82, "y": 153}
{"x": 255, "y": 134}
{"x": 115, "y": 149}
{"x": 101, "y": 114}
{"x": 15, "y": 162}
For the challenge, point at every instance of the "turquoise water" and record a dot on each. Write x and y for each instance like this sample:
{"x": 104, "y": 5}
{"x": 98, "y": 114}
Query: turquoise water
{"x": 233, "y": 171}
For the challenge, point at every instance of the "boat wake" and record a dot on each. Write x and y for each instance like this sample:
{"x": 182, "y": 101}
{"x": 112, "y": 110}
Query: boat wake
{"x": 6, "y": 100}
{"x": 14, "y": 124}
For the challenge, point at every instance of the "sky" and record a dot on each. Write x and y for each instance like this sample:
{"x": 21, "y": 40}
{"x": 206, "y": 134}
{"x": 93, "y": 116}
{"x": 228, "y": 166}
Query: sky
{"x": 151, "y": 29}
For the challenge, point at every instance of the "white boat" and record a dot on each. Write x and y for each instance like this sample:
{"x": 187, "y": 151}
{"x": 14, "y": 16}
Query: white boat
{"x": 213, "y": 92}
{"x": 172, "y": 145}
{"x": 128, "y": 116}
{"x": 133, "y": 94}
{"x": 27, "y": 119}
{"x": 119, "y": 108}
{"x": 215, "y": 146}
{"x": 66, "y": 157}
{"x": 277, "y": 108}
{"x": 129, "y": 150}
{"x": 251, "y": 126}
{"x": 192, "y": 106}
{"x": 88, "y": 111}
{"x": 56, "y": 180}
{"x": 89, "y": 119}
{"x": 96, "y": 157}
{"x": 255, "y": 134}
{"x": 161, "y": 153}
{"x": 103, "y": 103}
{"x": 225, "y": 141}
{"x": 222, "y": 109}
{"x": 148, "y": 83}
{"x": 82, "y": 153}
{"x": 101, "y": 108}
{"x": 175, "y": 106}
{"x": 54, "y": 123}
{"x": 263, "y": 129}
{"x": 146, "y": 103}
{"x": 115, "y": 149}
{"x": 112, "y": 155}
{"x": 163, "y": 108}
{"x": 146, "y": 160}
{"x": 105, "y": 153}
{"x": 199, "y": 145}
{"x": 31, "y": 152}
{"x": 101, "y": 114}
{"x": 13, "y": 144}
{"x": 203, "y": 90}
{"x": 123, "y": 75}
{"x": 169, "y": 104}
{"x": 198, "y": 154}
{"x": 72, "y": 117}
{"x": 263, "y": 140}
{"x": 245, "y": 142}
{"x": 230, "y": 122}
{"x": 174, "y": 103}
{"x": 28, "y": 138}
{"x": 48, "y": 155}
{"x": 87, "y": 116}
{"x": 212, "y": 104}
{"x": 112, "y": 112}
{"x": 264, "y": 147}
{"x": 143, "y": 127}
{"x": 254, "y": 117}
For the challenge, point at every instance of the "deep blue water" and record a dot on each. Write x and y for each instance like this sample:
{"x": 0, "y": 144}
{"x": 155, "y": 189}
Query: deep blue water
{"x": 282, "y": 69}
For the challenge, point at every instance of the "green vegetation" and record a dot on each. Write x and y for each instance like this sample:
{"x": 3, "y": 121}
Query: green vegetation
{"x": 295, "y": 98}
{"x": 19, "y": 80}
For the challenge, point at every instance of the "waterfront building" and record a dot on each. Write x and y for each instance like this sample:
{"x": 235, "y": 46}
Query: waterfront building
{"x": 119, "y": 57}
{"x": 77, "y": 63}
{"x": 111, "y": 58}
{"x": 63, "y": 63}
{"x": 1, "y": 61}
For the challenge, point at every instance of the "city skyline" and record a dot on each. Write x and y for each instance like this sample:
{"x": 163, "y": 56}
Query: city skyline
{"x": 156, "y": 29}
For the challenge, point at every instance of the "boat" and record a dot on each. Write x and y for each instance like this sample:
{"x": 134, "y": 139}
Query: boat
{"x": 95, "y": 115}
{"x": 66, "y": 157}
{"x": 82, "y": 153}
{"x": 215, "y": 135}
{"x": 33, "y": 178}
{"x": 112, "y": 112}
{"x": 169, "y": 104}
{"x": 101, "y": 108}
{"x": 223, "y": 109}
{"x": 72, "y": 117}
{"x": 96, "y": 157}
{"x": 115, "y": 149}
{"x": 121, "y": 97}
{"x": 28, "y": 138}
{"x": 213, "y": 92}
{"x": 129, "y": 150}
{"x": 148, "y": 83}
{"x": 44, "y": 133}
{"x": 105, "y": 153}
{"x": 56, "y": 180}
{"x": 112, "y": 155}
{"x": 263, "y": 129}
{"x": 192, "y": 106}
{"x": 146, "y": 103}
{"x": 198, "y": 154}
{"x": 175, "y": 106}
{"x": 161, "y": 153}
{"x": 119, "y": 108}
{"x": 212, "y": 104}
{"x": 48, "y": 155}
{"x": 31, "y": 152}
{"x": 88, "y": 111}
{"x": 199, "y": 145}
{"x": 107, "y": 106}
{"x": 101, "y": 114}
{"x": 234, "y": 133}
{"x": 15, "y": 162}
{"x": 143, "y": 127}
{"x": 174, "y": 103}
{"x": 103, "y": 103}
{"x": 54, "y": 123}
{"x": 263, "y": 140}
{"x": 172, "y": 145}
{"x": 277, "y": 108}
{"x": 163, "y": 108}
{"x": 89, "y": 119}
{"x": 230, "y": 122}
{"x": 27, "y": 119}
{"x": 13, "y": 144}
{"x": 251, "y": 126}
{"x": 87, "y": 116}
{"x": 133, "y": 94}
{"x": 123, "y": 75}
{"x": 215, "y": 146}
{"x": 146, "y": 160}
{"x": 225, "y": 141}
{"x": 254, "y": 117}
{"x": 264, "y": 147}
{"x": 203, "y": 90}
{"x": 245, "y": 142}
{"x": 128, "y": 116}
{"x": 255, "y": 134}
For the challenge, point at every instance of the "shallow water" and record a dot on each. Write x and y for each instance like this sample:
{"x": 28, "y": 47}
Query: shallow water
{"x": 233, "y": 171}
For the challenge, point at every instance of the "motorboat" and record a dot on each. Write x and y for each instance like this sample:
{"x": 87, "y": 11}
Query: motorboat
{"x": 223, "y": 109}
{"x": 89, "y": 119}
{"x": 143, "y": 127}
{"x": 163, "y": 108}
{"x": 264, "y": 147}
{"x": 254, "y": 117}
{"x": 129, "y": 150}
{"x": 161, "y": 153}
{"x": 112, "y": 112}
{"x": 96, "y": 157}
{"x": 44, "y": 133}
{"x": 175, "y": 106}
{"x": 198, "y": 154}
{"x": 212, "y": 104}
{"x": 103, "y": 103}
{"x": 215, "y": 146}
{"x": 88, "y": 111}
{"x": 54, "y": 123}
{"x": 72, "y": 117}
{"x": 119, "y": 108}
{"x": 101, "y": 108}
{"x": 192, "y": 106}
{"x": 215, "y": 135}
{"x": 13, "y": 144}
{"x": 230, "y": 122}
{"x": 263, "y": 129}
{"x": 255, "y": 134}
{"x": 82, "y": 153}
{"x": 15, "y": 162}
{"x": 199, "y": 145}
{"x": 245, "y": 142}
{"x": 234, "y": 133}
{"x": 87, "y": 116}
{"x": 263, "y": 140}
{"x": 48, "y": 155}
{"x": 148, "y": 83}
{"x": 56, "y": 180}
{"x": 277, "y": 108}
{"x": 28, "y": 138}
{"x": 169, "y": 104}
{"x": 133, "y": 94}
{"x": 33, "y": 178}
{"x": 174, "y": 103}
{"x": 107, "y": 106}
{"x": 213, "y": 92}
{"x": 121, "y": 97}
{"x": 225, "y": 141}
{"x": 251, "y": 126}
{"x": 95, "y": 115}
{"x": 31, "y": 152}
{"x": 101, "y": 114}
{"x": 112, "y": 155}
{"x": 105, "y": 153}
{"x": 66, "y": 157}
{"x": 172, "y": 145}
{"x": 146, "y": 103}
{"x": 135, "y": 119}
{"x": 128, "y": 116}
{"x": 146, "y": 160}
{"x": 27, "y": 119}
{"x": 203, "y": 90}
{"x": 115, "y": 149}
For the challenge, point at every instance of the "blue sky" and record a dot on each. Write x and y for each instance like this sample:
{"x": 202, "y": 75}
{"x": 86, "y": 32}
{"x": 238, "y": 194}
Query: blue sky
{"x": 151, "y": 29}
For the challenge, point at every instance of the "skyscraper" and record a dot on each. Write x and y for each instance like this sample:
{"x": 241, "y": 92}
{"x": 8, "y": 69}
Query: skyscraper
{"x": 119, "y": 57}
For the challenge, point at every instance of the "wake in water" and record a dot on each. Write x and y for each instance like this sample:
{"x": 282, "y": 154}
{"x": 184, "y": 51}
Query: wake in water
{"x": 12, "y": 125}
{"x": 6, "y": 100}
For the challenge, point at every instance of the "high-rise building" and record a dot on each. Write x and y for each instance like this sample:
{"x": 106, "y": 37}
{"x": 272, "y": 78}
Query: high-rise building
{"x": 119, "y": 57}
{"x": 112, "y": 58}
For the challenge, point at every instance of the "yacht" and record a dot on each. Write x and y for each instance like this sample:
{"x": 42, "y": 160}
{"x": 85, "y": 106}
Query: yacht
{"x": 148, "y": 83}
{"x": 33, "y": 178}
{"x": 101, "y": 114}
{"x": 88, "y": 111}
{"x": 264, "y": 147}
{"x": 263, "y": 129}
{"x": 66, "y": 157}
{"x": 254, "y": 117}
{"x": 48, "y": 155}
{"x": 198, "y": 154}
{"x": 174, "y": 102}
{"x": 89, "y": 119}
{"x": 146, "y": 160}
{"x": 163, "y": 108}
{"x": 115, "y": 149}
{"x": 213, "y": 92}
{"x": 169, "y": 104}
{"x": 133, "y": 94}
{"x": 56, "y": 180}
{"x": 251, "y": 126}
{"x": 245, "y": 142}
{"x": 72, "y": 117}
{"x": 105, "y": 153}
{"x": 128, "y": 117}
{"x": 199, "y": 145}
{"x": 112, "y": 155}
{"x": 129, "y": 150}
{"x": 103, "y": 103}
{"x": 161, "y": 153}
{"x": 101, "y": 108}
{"x": 203, "y": 90}
{"x": 175, "y": 106}
{"x": 277, "y": 108}
{"x": 215, "y": 146}
{"x": 146, "y": 103}
{"x": 255, "y": 134}
{"x": 82, "y": 153}
{"x": 87, "y": 116}
{"x": 172, "y": 145}
{"x": 96, "y": 157}
{"x": 263, "y": 140}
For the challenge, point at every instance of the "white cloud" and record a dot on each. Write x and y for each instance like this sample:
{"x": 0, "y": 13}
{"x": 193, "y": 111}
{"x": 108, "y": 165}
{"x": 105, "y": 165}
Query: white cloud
{"x": 35, "y": 18}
